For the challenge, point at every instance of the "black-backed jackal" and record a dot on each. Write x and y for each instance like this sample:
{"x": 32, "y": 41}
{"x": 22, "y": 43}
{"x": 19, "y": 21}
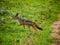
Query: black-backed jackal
{"x": 27, "y": 22}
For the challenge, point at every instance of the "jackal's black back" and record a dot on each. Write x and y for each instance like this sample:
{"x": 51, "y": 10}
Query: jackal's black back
{"x": 26, "y": 20}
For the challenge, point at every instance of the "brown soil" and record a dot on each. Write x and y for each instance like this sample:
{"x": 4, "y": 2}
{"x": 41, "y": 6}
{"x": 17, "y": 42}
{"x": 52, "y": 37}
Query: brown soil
{"x": 55, "y": 32}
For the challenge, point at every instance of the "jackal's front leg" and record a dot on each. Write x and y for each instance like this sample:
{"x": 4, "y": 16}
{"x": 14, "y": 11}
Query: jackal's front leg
{"x": 24, "y": 26}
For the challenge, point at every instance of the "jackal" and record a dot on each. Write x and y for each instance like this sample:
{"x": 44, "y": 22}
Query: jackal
{"x": 27, "y": 22}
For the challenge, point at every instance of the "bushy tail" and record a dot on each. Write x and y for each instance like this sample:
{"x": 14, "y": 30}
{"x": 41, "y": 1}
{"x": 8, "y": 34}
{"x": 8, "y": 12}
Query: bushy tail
{"x": 39, "y": 27}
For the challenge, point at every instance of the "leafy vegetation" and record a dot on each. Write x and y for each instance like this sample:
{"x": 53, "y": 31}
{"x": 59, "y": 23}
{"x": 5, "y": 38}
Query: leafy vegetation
{"x": 43, "y": 12}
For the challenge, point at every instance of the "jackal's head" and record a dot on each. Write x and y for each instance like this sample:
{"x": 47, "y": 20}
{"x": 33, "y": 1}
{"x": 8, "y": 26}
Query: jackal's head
{"x": 16, "y": 16}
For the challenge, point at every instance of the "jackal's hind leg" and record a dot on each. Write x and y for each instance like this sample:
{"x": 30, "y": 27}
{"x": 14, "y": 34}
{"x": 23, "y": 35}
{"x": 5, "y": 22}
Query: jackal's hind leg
{"x": 34, "y": 28}
{"x": 36, "y": 31}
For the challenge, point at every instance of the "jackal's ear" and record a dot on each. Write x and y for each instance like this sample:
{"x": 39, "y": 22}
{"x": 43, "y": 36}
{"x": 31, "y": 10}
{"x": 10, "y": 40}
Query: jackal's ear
{"x": 16, "y": 14}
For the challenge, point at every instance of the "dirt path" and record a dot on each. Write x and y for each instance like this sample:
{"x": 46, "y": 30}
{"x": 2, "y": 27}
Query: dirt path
{"x": 56, "y": 32}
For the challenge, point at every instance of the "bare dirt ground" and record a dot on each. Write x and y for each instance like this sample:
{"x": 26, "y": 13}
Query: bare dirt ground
{"x": 56, "y": 32}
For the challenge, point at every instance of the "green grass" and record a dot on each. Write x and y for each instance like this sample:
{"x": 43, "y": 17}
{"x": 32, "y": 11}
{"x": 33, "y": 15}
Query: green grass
{"x": 39, "y": 11}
